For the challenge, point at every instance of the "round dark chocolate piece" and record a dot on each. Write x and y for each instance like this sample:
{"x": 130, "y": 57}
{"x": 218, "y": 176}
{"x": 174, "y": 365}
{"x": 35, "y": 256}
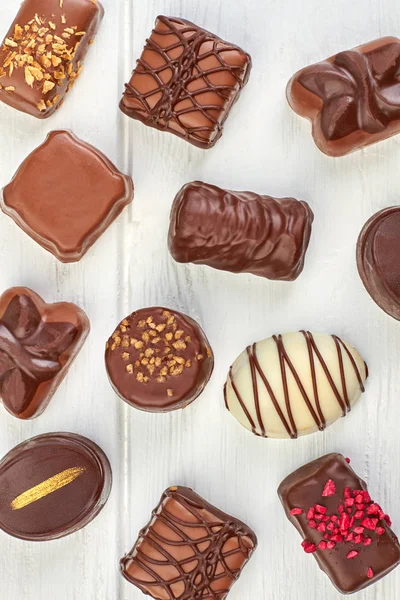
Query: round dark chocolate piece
{"x": 158, "y": 360}
{"x": 378, "y": 252}
{"x": 52, "y": 485}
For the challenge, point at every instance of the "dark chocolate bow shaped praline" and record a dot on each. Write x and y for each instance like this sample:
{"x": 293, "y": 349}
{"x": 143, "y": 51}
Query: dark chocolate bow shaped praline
{"x": 359, "y": 91}
{"x": 29, "y": 352}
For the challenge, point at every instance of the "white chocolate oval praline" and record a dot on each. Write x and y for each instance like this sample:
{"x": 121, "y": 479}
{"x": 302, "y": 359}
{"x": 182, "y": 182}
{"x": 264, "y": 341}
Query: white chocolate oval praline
{"x": 294, "y": 384}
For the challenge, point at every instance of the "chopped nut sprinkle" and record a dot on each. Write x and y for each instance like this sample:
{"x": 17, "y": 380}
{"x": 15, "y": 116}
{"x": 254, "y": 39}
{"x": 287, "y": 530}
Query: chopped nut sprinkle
{"x": 163, "y": 350}
{"x": 43, "y": 55}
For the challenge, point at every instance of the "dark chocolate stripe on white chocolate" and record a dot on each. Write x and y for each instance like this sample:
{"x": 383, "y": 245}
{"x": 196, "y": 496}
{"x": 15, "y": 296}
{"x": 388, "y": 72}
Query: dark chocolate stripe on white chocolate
{"x": 313, "y": 404}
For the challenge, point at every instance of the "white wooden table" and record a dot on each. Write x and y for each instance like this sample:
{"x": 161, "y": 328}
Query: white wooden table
{"x": 265, "y": 148}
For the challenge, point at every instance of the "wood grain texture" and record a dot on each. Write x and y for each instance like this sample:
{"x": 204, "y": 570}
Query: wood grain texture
{"x": 265, "y": 148}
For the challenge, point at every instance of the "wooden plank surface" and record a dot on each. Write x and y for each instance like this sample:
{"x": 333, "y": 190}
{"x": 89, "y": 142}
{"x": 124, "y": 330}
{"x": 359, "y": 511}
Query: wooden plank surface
{"x": 268, "y": 149}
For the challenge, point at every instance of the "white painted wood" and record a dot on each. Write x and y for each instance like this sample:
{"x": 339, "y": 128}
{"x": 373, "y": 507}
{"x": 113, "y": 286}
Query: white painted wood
{"x": 265, "y": 148}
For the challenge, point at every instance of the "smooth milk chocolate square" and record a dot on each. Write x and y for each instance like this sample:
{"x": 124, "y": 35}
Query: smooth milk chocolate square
{"x": 186, "y": 81}
{"x": 65, "y": 195}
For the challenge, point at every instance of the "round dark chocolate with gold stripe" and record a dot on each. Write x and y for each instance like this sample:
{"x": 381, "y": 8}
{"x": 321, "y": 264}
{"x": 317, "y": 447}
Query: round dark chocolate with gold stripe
{"x": 52, "y": 485}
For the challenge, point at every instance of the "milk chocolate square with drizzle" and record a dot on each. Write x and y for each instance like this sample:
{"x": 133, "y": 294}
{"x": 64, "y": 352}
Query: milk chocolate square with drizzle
{"x": 42, "y": 54}
{"x": 186, "y": 81}
{"x": 38, "y": 343}
{"x": 190, "y": 550}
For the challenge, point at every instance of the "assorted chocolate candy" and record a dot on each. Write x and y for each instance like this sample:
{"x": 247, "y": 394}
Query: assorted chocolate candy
{"x": 38, "y": 343}
{"x": 42, "y": 54}
{"x": 352, "y": 99}
{"x": 52, "y": 485}
{"x": 188, "y": 550}
{"x": 347, "y": 532}
{"x": 294, "y": 384}
{"x": 186, "y": 81}
{"x": 65, "y": 195}
{"x": 378, "y": 251}
{"x": 241, "y": 232}
{"x": 158, "y": 360}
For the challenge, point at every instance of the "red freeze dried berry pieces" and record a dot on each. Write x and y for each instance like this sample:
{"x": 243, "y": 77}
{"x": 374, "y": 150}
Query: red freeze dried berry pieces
{"x": 309, "y": 547}
{"x": 329, "y": 489}
{"x": 296, "y": 511}
{"x": 380, "y": 530}
{"x": 369, "y": 523}
{"x": 367, "y": 541}
{"x": 342, "y": 528}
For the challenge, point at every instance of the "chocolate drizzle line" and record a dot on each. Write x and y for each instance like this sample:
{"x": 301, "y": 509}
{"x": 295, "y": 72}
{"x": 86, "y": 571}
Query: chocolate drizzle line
{"x": 199, "y": 582}
{"x": 185, "y": 70}
{"x": 285, "y": 362}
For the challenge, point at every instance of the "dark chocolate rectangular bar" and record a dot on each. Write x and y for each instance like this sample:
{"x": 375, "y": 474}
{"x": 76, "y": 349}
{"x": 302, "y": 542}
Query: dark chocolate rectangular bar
{"x": 186, "y": 81}
{"x": 347, "y": 532}
{"x": 189, "y": 550}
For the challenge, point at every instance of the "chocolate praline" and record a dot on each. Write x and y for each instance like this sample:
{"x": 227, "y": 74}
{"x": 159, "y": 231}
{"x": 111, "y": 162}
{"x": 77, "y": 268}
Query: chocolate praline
{"x": 240, "y": 232}
{"x": 186, "y": 81}
{"x": 158, "y": 360}
{"x": 378, "y": 250}
{"x": 52, "y": 485}
{"x": 65, "y": 194}
{"x": 42, "y": 54}
{"x": 190, "y": 550}
{"x": 38, "y": 343}
{"x": 348, "y": 533}
{"x": 352, "y": 98}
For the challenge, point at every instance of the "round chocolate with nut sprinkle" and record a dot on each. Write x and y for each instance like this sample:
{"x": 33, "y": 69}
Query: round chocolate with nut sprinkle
{"x": 158, "y": 360}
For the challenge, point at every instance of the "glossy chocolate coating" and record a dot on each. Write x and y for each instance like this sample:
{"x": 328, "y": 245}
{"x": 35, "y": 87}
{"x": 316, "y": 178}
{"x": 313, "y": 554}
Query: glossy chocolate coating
{"x": 52, "y": 485}
{"x": 240, "y": 232}
{"x": 158, "y": 360}
{"x": 186, "y": 82}
{"x": 65, "y": 195}
{"x": 353, "y": 98}
{"x": 190, "y": 550}
{"x": 38, "y": 343}
{"x": 55, "y": 36}
{"x": 294, "y": 384}
{"x": 303, "y": 489}
{"x": 378, "y": 251}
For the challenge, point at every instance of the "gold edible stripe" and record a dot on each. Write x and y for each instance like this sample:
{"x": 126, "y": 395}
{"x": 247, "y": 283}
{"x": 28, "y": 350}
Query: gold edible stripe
{"x": 47, "y": 487}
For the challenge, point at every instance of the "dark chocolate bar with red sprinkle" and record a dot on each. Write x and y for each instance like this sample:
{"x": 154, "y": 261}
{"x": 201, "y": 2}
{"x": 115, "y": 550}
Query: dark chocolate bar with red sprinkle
{"x": 348, "y": 533}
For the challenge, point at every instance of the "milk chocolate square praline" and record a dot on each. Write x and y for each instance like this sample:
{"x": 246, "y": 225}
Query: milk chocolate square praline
{"x": 65, "y": 195}
{"x": 186, "y": 81}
